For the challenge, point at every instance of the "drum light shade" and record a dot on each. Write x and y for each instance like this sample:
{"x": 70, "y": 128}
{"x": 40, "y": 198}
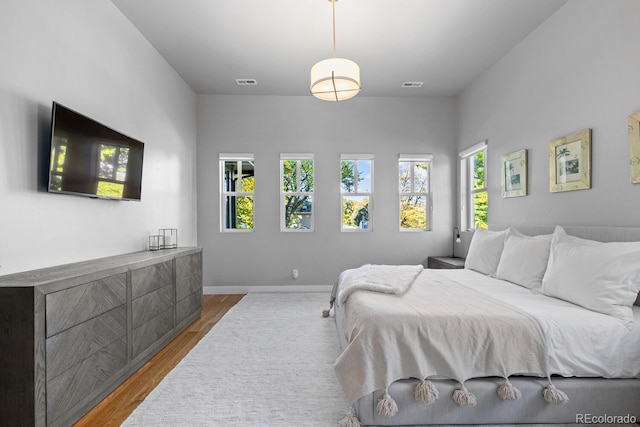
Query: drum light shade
{"x": 335, "y": 79}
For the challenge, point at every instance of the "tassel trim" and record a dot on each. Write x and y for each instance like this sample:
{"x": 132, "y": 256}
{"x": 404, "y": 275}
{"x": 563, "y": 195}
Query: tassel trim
{"x": 386, "y": 406}
{"x": 425, "y": 392}
{"x": 553, "y": 395}
{"x": 349, "y": 421}
{"x": 508, "y": 391}
{"x": 327, "y": 313}
{"x": 463, "y": 397}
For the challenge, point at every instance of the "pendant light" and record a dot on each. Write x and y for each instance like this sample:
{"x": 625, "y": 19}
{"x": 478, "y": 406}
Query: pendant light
{"x": 335, "y": 79}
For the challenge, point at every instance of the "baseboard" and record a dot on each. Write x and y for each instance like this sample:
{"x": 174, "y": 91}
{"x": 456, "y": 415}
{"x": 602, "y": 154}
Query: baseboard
{"x": 225, "y": 290}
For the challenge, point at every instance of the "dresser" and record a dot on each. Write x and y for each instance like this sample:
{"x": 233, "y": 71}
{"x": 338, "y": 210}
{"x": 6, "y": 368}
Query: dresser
{"x": 71, "y": 334}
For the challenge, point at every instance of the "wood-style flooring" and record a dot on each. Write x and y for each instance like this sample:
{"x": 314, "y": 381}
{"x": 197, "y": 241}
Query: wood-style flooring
{"x": 117, "y": 406}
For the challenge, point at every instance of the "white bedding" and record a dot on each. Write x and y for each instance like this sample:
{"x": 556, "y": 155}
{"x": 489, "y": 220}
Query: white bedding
{"x": 580, "y": 342}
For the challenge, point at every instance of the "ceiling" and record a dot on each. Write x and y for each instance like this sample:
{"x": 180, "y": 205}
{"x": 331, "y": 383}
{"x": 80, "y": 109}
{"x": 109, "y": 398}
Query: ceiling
{"x": 444, "y": 43}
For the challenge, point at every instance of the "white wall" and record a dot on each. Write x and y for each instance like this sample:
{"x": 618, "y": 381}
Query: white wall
{"x": 268, "y": 126}
{"x": 87, "y": 56}
{"x": 580, "y": 69}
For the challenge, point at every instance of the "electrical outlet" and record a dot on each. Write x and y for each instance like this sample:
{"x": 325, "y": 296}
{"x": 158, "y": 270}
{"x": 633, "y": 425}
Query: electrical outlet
{"x": 294, "y": 273}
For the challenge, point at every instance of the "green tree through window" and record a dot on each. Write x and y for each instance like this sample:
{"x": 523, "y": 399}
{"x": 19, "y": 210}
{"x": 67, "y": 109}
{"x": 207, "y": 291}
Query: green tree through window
{"x": 414, "y": 194}
{"x": 356, "y": 180}
{"x": 479, "y": 191}
{"x": 297, "y": 192}
{"x": 238, "y": 188}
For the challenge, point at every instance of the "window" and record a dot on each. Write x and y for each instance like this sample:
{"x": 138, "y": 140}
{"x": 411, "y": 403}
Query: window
{"x": 414, "y": 174}
{"x": 238, "y": 182}
{"x": 296, "y": 197}
{"x": 473, "y": 187}
{"x": 356, "y": 180}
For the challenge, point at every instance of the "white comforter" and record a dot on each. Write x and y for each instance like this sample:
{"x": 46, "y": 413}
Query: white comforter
{"x": 581, "y": 342}
{"x": 577, "y": 342}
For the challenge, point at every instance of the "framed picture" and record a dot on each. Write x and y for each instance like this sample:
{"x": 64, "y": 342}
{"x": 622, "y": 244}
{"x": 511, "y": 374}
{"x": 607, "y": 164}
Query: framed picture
{"x": 514, "y": 174}
{"x": 570, "y": 162}
{"x": 634, "y": 147}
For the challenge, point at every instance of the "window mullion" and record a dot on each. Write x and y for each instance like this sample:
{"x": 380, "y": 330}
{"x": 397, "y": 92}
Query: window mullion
{"x": 239, "y": 183}
{"x": 412, "y": 177}
{"x": 355, "y": 177}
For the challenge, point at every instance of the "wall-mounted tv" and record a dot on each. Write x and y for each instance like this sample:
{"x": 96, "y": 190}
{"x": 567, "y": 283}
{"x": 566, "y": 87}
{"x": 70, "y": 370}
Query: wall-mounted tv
{"x": 90, "y": 159}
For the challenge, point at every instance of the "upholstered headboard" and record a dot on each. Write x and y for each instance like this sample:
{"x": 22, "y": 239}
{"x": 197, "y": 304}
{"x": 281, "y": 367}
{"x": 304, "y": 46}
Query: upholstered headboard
{"x": 600, "y": 234}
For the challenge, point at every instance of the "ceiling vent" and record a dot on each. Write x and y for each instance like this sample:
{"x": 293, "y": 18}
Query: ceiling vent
{"x": 246, "y": 82}
{"x": 412, "y": 84}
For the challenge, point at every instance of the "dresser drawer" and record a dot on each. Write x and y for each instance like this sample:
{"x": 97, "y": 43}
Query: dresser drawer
{"x": 148, "y": 333}
{"x": 85, "y": 380}
{"x": 186, "y": 265}
{"x": 70, "y": 307}
{"x": 187, "y": 306}
{"x": 147, "y": 279}
{"x": 187, "y": 285}
{"x": 69, "y": 348}
{"x": 150, "y": 305}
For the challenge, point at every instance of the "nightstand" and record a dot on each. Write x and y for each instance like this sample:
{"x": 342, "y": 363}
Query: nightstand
{"x": 445, "y": 262}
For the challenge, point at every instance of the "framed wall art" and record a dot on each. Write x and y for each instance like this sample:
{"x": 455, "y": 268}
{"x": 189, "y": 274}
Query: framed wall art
{"x": 570, "y": 162}
{"x": 514, "y": 174}
{"x": 634, "y": 147}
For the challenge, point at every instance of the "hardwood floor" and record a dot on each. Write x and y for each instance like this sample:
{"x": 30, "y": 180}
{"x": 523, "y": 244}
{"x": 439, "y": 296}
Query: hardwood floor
{"x": 117, "y": 406}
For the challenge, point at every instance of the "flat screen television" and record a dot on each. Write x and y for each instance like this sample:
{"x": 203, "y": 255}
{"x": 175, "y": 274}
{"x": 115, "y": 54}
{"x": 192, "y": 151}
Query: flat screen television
{"x": 90, "y": 159}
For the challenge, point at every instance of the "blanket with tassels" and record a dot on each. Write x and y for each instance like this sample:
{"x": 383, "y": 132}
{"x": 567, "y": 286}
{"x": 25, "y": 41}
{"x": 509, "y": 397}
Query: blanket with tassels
{"x": 438, "y": 328}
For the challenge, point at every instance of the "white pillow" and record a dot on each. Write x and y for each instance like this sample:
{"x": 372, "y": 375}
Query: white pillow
{"x": 524, "y": 259}
{"x": 603, "y": 277}
{"x": 485, "y": 250}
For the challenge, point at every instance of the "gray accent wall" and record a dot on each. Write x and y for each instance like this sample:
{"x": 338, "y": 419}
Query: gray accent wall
{"x": 89, "y": 57}
{"x": 579, "y": 69}
{"x": 268, "y": 126}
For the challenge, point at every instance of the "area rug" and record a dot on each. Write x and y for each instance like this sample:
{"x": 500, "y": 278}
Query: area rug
{"x": 267, "y": 362}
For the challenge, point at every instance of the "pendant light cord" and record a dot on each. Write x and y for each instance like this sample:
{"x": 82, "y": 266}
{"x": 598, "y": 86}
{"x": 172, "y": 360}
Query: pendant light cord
{"x": 333, "y": 5}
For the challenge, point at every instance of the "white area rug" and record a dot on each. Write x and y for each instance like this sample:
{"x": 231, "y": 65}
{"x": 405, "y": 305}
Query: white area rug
{"x": 268, "y": 362}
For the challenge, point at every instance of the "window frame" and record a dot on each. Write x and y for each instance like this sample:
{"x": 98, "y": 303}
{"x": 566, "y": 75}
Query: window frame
{"x": 298, "y": 158}
{"x": 467, "y": 190}
{"x": 413, "y": 159}
{"x": 355, "y": 158}
{"x": 239, "y": 158}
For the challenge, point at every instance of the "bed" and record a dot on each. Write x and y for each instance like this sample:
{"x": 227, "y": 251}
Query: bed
{"x": 541, "y": 327}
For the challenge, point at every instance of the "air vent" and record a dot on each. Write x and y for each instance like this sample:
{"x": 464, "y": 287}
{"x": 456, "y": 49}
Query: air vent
{"x": 412, "y": 84}
{"x": 246, "y": 82}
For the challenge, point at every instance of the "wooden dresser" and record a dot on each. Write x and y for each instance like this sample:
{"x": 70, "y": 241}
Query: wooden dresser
{"x": 71, "y": 334}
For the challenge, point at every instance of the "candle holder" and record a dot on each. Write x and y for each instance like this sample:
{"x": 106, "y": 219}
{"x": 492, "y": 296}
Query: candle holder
{"x": 170, "y": 238}
{"x": 155, "y": 242}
